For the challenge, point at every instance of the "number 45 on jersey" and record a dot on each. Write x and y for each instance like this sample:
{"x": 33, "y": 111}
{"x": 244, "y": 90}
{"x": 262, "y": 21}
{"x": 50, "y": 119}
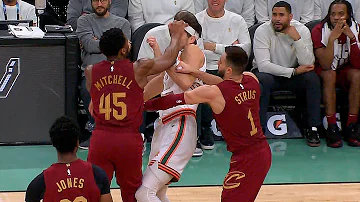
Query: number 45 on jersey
{"x": 112, "y": 99}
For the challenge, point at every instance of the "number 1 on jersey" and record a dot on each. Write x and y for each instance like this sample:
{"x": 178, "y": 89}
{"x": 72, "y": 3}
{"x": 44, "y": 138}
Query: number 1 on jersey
{"x": 253, "y": 128}
{"x": 105, "y": 106}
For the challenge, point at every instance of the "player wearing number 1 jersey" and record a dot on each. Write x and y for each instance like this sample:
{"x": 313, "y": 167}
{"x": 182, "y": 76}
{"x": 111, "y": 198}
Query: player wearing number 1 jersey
{"x": 116, "y": 89}
{"x": 235, "y": 104}
{"x": 70, "y": 179}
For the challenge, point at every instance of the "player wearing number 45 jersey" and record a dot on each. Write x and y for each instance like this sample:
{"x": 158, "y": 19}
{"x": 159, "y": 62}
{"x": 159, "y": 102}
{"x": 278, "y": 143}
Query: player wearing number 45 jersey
{"x": 235, "y": 104}
{"x": 116, "y": 89}
{"x": 70, "y": 179}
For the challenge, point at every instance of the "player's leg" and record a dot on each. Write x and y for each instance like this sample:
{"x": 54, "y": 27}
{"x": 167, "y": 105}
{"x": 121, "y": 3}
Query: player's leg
{"x": 161, "y": 194}
{"x": 98, "y": 153}
{"x": 153, "y": 181}
{"x": 246, "y": 174}
{"x": 127, "y": 157}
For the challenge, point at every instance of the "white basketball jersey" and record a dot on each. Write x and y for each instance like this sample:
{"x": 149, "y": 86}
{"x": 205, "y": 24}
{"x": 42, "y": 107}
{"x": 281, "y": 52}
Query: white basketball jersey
{"x": 170, "y": 87}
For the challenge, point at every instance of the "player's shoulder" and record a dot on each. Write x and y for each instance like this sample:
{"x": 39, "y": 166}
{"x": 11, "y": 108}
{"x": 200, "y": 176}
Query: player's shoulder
{"x": 194, "y": 50}
{"x": 250, "y": 76}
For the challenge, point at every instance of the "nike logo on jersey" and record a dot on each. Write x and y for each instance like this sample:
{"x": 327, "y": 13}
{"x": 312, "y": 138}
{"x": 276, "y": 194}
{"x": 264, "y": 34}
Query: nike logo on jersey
{"x": 242, "y": 87}
{"x": 178, "y": 101}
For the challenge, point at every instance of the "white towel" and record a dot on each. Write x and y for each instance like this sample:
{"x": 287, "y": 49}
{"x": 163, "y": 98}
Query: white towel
{"x": 341, "y": 51}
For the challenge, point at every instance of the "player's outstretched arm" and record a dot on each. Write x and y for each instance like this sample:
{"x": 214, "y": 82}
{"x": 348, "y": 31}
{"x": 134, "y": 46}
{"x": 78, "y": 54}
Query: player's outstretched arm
{"x": 205, "y": 77}
{"x": 203, "y": 94}
{"x": 103, "y": 184}
{"x": 146, "y": 67}
{"x": 88, "y": 76}
{"x": 154, "y": 87}
{"x": 36, "y": 189}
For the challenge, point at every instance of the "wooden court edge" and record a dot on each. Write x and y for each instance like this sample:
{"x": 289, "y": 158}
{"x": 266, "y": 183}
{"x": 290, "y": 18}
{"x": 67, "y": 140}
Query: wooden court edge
{"x": 340, "y": 192}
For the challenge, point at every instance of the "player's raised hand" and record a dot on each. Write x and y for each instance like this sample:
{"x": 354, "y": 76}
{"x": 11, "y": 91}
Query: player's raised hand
{"x": 184, "y": 68}
{"x": 152, "y": 42}
{"x": 177, "y": 32}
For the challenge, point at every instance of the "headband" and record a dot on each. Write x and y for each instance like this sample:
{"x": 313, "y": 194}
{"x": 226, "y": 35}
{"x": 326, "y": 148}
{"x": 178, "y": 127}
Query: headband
{"x": 192, "y": 32}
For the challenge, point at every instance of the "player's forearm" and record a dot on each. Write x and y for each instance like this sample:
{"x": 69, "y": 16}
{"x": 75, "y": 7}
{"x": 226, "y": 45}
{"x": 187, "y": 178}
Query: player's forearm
{"x": 168, "y": 59}
{"x": 184, "y": 81}
{"x": 165, "y": 102}
{"x": 207, "y": 78}
{"x": 154, "y": 87}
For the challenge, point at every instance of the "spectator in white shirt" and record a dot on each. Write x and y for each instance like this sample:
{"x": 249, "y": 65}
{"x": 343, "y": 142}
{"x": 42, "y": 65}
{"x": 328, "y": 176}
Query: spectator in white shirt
{"x": 302, "y": 10}
{"x": 284, "y": 59}
{"x": 322, "y": 7}
{"x": 17, "y": 10}
{"x": 156, "y": 11}
{"x": 221, "y": 28}
{"x": 245, "y": 8}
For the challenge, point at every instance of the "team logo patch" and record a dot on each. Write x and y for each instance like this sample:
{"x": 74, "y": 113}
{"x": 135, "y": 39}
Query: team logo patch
{"x": 12, "y": 72}
{"x": 233, "y": 179}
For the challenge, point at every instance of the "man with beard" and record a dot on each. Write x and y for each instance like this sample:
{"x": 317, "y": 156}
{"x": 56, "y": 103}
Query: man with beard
{"x": 284, "y": 59}
{"x": 17, "y": 10}
{"x": 336, "y": 45}
{"x": 116, "y": 88}
{"x": 234, "y": 98}
{"x": 90, "y": 29}
{"x": 77, "y": 8}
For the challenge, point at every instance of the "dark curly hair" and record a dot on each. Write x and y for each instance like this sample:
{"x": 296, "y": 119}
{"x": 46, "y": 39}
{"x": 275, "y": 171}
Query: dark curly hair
{"x": 64, "y": 134}
{"x": 112, "y": 41}
{"x": 350, "y": 12}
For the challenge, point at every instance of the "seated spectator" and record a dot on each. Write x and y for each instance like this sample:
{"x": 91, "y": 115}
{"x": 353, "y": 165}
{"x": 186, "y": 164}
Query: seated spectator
{"x": 336, "y": 45}
{"x": 284, "y": 59}
{"x": 90, "y": 29}
{"x": 156, "y": 11}
{"x": 302, "y": 10}
{"x": 245, "y": 8}
{"x": 17, "y": 10}
{"x": 322, "y": 7}
{"x": 76, "y": 8}
{"x": 221, "y": 28}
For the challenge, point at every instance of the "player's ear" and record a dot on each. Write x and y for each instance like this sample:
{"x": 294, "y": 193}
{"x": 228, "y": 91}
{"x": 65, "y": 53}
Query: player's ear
{"x": 291, "y": 16}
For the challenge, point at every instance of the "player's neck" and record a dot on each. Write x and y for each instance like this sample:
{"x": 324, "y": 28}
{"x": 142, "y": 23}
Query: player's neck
{"x": 115, "y": 58}
{"x": 10, "y": 2}
{"x": 67, "y": 158}
{"x": 236, "y": 78}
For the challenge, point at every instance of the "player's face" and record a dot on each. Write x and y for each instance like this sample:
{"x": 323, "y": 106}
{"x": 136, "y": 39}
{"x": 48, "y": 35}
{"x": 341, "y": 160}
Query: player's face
{"x": 216, "y": 5}
{"x": 280, "y": 18}
{"x": 338, "y": 11}
{"x": 222, "y": 66}
{"x": 100, "y": 7}
{"x": 126, "y": 50}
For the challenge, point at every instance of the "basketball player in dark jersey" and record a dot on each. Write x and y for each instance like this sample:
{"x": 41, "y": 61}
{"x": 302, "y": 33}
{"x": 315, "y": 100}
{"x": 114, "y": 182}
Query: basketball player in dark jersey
{"x": 116, "y": 89}
{"x": 70, "y": 179}
{"x": 235, "y": 105}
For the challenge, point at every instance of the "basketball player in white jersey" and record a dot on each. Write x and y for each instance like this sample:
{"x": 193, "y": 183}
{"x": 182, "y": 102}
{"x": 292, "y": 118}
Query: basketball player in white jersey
{"x": 175, "y": 136}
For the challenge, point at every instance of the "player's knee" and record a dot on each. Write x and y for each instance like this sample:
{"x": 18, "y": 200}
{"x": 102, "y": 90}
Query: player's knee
{"x": 144, "y": 194}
